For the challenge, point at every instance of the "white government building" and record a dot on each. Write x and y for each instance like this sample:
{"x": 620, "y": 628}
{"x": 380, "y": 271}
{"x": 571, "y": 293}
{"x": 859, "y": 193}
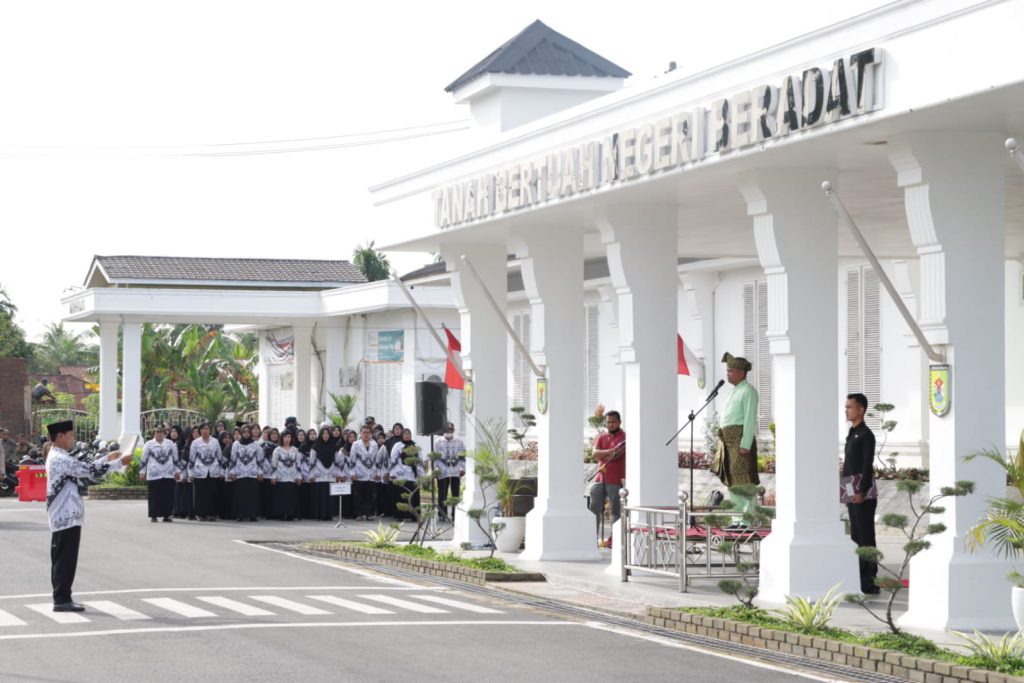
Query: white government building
{"x": 604, "y": 220}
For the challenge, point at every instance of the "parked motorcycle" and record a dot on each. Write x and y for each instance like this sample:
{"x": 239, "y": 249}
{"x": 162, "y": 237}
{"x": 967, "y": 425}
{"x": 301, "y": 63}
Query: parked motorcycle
{"x": 9, "y": 480}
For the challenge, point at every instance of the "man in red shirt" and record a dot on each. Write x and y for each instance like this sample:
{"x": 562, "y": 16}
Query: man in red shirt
{"x": 610, "y": 451}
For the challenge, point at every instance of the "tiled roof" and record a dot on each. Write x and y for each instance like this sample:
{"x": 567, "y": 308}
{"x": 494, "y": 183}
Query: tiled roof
{"x": 541, "y": 50}
{"x": 162, "y": 268}
{"x": 434, "y": 268}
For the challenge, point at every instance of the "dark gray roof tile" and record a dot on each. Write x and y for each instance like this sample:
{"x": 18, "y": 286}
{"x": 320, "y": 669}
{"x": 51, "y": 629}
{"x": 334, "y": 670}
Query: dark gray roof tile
{"x": 164, "y": 268}
{"x": 539, "y": 49}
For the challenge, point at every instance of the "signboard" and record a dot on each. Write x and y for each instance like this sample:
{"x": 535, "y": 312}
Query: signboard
{"x": 542, "y": 395}
{"x": 940, "y": 398}
{"x": 386, "y": 346}
{"x": 341, "y": 488}
{"x": 817, "y": 96}
{"x": 468, "y": 396}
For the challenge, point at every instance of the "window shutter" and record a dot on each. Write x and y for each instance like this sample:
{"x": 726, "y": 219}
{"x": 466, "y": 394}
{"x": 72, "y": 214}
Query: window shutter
{"x": 755, "y": 348}
{"x": 863, "y": 336}
{"x": 382, "y": 385}
{"x": 520, "y": 365}
{"x": 591, "y": 348}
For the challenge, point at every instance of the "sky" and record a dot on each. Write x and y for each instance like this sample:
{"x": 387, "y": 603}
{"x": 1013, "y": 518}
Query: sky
{"x": 122, "y": 123}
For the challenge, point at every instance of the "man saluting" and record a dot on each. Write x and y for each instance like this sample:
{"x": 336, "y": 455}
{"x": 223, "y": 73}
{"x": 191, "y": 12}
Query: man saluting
{"x": 65, "y": 509}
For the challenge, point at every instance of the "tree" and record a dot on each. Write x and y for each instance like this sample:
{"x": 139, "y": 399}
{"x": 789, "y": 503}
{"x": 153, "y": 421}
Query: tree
{"x": 12, "y": 337}
{"x": 59, "y": 347}
{"x": 372, "y": 263}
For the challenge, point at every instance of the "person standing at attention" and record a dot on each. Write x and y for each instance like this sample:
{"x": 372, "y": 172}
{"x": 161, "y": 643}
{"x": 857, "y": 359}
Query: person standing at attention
{"x": 65, "y": 509}
{"x": 859, "y": 485}
{"x": 610, "y": 451}
{"x": 736, "y": 460}
{"x": 160, "y": 468}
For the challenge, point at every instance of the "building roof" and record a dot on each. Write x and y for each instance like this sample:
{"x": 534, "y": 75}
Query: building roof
{"x": 539, "y": 49}
{"x": 196, "y": 270}
{"x": 435, "y": 268}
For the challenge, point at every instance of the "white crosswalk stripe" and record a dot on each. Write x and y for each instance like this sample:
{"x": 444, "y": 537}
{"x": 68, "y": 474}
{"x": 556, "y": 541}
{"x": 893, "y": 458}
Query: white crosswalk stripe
{"x": 8, "y": 619}
{"x": 236, "y": 606}
{"x": 115, "y": 610}
{"x": 179, "y": 607}
{"x": 404, "y": 604}
{"x": 457, "y": 604}
{"x": 46, "y": 609}
{"x": 291, "y": 605}
{"x": 350, "y": 604}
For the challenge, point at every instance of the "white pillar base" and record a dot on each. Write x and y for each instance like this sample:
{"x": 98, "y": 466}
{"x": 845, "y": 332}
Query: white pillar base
{"x": 955, "y": 590}
{"x": 615, "y": 566}
{"x": 807, "y": 559}
{"x": 560, "y": 529}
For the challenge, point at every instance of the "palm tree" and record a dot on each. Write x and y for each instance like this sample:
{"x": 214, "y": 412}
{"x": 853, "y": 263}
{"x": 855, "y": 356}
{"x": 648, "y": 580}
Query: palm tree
{"x": 1003, "y": 523}
{"x": 372, "y": 263}
{"x": 7, "y": 306}
{"x": 61, "y": 346}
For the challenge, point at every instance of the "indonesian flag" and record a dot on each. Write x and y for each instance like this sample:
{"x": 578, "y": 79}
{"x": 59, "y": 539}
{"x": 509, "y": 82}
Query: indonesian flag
{"x": 451, "y": 374}
{"x": 687, "y": 360}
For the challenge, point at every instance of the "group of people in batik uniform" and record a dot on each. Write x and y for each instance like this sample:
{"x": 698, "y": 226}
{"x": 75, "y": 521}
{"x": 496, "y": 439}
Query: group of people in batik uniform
{"x": 207, "y": 472}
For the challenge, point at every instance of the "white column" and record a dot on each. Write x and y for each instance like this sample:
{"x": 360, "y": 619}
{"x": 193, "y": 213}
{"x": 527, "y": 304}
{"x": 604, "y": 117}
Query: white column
{"x": 642, "y": 243}
{"x": 559, "y": 527}
{"x": 263, "y": 379}
{"x": 109, "y": 426}
{"x": 131, "y": 379}
{"x": 303, "y": 374}
{"x": 484, "y": 347}
{"x": 796, "y": 234}
{"x": 954, "y": 194}
{"x": 334, "y": 365}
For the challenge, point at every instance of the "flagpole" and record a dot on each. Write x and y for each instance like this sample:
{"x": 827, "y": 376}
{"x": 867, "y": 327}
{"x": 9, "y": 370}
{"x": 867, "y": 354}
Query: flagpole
{"x": 430, "y": 326}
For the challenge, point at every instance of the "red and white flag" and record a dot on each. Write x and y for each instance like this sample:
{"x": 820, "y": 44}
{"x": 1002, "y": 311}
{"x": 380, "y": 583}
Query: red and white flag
{"x": 688, "y": 362}
{"x": 452, "y": 374}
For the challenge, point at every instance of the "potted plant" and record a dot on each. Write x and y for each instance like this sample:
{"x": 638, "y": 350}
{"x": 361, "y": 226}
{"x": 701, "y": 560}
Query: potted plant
{"x": 494, "y": 474}
{"x": 1003, "y": 523}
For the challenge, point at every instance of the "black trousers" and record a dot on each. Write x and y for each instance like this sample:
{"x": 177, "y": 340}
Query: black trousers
{"x": 161, "y": 497}
{"x": 443, "y": 486}
{"x": 365, "y": 495}
{"x": 64, "y": 562}
{"x": 862, "y": 531}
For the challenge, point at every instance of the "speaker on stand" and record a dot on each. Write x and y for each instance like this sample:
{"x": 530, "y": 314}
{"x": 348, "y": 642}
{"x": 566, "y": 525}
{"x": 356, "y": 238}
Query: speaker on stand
{"x": 431, "y": 420}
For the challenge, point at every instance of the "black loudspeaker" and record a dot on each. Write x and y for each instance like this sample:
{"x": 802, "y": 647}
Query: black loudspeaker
{"x": 431, "y": 407}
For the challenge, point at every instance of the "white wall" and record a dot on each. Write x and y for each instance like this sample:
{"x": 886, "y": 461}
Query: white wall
{"x": 1014, "y": 352}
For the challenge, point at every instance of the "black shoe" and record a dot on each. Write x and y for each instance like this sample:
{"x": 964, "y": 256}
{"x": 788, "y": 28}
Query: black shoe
{"x": 252, "y": 519}
{"x": 167, "y": 519}
{"x": 68, "y": 607}
{"x": 152, "y": 519}
{"x": 873, "y": 590}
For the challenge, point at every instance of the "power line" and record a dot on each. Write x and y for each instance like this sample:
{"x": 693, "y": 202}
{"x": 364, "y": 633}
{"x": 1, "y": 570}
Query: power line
{"x": 285, "y": 146}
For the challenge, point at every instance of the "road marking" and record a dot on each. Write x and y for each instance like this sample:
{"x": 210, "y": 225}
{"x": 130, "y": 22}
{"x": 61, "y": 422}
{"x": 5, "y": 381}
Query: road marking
{"x": 115, "y": 610}
{"x": 667, "y": 642}
{"x": 334, "y": 564}
{"x": 348, "y": 604}
{"x": 405, "y": 604}
{"x": 457, "y": 604}
{"x": 285, "y": 603}
{"x": 235, "y": 606}
{"x": 46, "y": 609}
{"x": 8, "y": 619}
{"x": 265, "y": 625}
{"x": 222, "y": 589}
{"x": 178, "y": 607}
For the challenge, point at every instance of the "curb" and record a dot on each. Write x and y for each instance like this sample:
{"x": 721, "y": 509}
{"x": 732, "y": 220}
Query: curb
{"x": 121, "y": 493}
{"x": 861, "y": 657}
{"x": 443, "y": 570}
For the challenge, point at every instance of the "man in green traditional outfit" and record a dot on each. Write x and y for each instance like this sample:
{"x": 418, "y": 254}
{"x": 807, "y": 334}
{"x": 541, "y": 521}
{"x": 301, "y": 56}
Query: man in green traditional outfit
{"x": 736, "y": 460}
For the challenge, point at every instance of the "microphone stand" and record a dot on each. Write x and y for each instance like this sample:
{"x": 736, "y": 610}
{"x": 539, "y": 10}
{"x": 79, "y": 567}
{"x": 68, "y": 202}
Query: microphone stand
{"x": 691, "y": 418}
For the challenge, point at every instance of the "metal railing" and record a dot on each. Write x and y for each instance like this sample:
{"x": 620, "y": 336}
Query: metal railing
{"x": 686, "y": 543}
{"x": 182, "y": 417}
{"x": 86, "y": 424}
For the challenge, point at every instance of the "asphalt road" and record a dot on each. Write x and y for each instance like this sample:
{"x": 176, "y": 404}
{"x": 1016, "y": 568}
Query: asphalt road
{"x": 194, "y": 601}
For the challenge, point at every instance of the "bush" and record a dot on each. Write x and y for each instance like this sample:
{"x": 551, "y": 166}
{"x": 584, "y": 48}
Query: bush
{"x": 700, "y": 460}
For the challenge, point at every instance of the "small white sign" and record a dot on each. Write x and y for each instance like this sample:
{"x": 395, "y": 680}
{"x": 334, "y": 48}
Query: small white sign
{"x": 341, "y": 488}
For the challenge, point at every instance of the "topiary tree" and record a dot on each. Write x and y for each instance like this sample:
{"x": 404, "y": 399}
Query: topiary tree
{"x": 743, "y": 497}
{"x": 917, "y": 533}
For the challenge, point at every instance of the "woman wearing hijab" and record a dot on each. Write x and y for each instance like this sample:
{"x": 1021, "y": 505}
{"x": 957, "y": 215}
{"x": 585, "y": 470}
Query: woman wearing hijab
{"x": 184, "y": 503}
{"x": 363, "y": 470}
{"x": 391, "y": 497}
{"x": 205, "y": 469}
{"x": 246, "y": 471}
{"x": 227, "y": 505}
{"x": 406, "y": 467}
{"x": 303, "y": 445}
{"x": 383, "y": 480}
{"x": 322, "y": 473}
{"x": 285, "y": 477}
{"x": 341, "y": 467}
{"x": 269, "y": 445}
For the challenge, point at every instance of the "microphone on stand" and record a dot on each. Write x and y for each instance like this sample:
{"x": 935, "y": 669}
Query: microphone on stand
{"x": 714, "y": 392}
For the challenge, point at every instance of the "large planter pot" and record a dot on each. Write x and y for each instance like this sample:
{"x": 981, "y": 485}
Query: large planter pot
{"x": 510, "y": 538}
{"x": 1017, "y": 602}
